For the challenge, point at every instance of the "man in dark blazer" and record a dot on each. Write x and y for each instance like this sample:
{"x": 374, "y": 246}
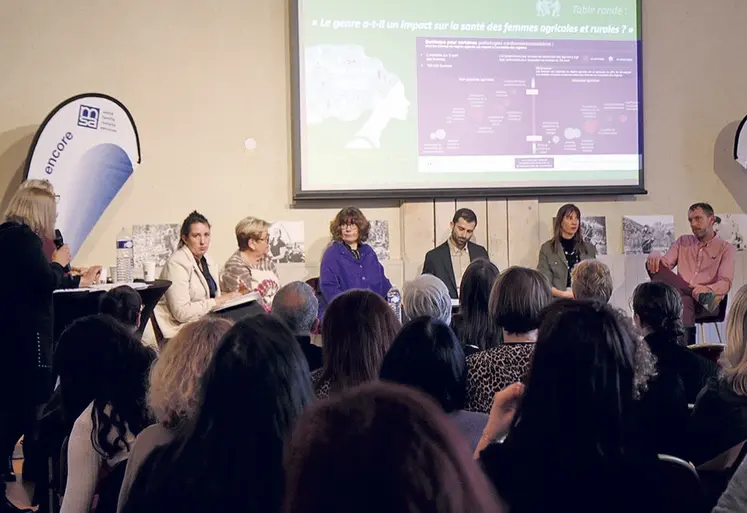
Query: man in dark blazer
{"x": 449, "y": 260}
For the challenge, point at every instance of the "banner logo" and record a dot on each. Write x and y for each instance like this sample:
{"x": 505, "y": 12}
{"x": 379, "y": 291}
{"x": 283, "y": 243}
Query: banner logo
{"x": 88, "y": 117}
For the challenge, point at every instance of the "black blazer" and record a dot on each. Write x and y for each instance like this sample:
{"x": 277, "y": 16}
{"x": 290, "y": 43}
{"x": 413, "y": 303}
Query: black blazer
{"x": 26, "y": 314}
{"x": 438, "y": 263}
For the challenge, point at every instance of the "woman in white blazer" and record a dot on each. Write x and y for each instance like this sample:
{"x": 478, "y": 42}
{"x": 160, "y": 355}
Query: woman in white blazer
{"x": 194, "y": 289}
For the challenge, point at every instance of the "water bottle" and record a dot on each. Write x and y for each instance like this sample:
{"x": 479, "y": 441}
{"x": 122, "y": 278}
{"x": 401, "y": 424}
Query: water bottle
{"x": 394, "y": 298}
{"x": 125, "y": 257}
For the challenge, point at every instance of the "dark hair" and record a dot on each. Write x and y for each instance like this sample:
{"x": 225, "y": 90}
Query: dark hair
{"x": 297, "y": 305}
{"x": 466, "y": 214}
{"x": 659, "y": 307}
{"x": 557, "y": 229}
{"x": 357, "y": 330}
{"x": 193, "y": 218}
{"x": 99, "y": 360}
{"x": 427, "y": 355}
{"x": 705, "y": 207}
{"x": 388, "y": 435}
{"x": 475, "y": 326}
{"x": 230, "y": 453}
{"x": 351, "y": 215}
{"x": 123, "y": 303}
{"x": 517, "y": 299}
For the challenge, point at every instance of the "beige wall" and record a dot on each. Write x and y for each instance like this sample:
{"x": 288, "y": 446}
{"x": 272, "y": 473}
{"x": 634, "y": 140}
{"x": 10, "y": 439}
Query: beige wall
{"x": 201, "y": 77}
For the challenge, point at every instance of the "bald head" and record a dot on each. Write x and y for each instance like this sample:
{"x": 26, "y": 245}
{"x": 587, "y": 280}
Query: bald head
{"x": 296, "y": 305}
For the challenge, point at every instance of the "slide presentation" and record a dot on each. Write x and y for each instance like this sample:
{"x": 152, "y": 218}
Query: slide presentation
{"x": 416, "y": 98}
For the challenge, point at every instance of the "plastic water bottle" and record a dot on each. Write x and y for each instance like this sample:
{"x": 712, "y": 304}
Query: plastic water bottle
{"x": 125, "y": 257}
{"x": 394, "y": 298}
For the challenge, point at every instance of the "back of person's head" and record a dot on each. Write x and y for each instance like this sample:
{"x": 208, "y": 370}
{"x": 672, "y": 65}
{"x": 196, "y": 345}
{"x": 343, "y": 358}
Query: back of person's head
{"x": 176, "y": 376}
{"x": 657, "y": 307}
{"x": 99, "y": 360}
{"x": 35, "y": 208}
{"x": 517, "y": 299}
{"x": 592, "y": 279}
{"x": 357, "y": 330}
{"x": 427, "y": 355}
{"x": 428, "y": 296}
{"x": 296, "y": 304}
{"x": 231, "y": 452}
{"x": 388, "y": 435}
{"x": 733, "y": 360}
{"x": 35, "y": 183}
{"x": 123, "y": 303}
{"x": 477, "y": 328}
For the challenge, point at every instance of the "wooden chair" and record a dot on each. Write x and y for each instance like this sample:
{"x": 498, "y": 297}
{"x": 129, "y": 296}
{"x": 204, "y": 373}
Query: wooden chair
{"x": 715, "y": 319}
{"x": 680, "y": 485}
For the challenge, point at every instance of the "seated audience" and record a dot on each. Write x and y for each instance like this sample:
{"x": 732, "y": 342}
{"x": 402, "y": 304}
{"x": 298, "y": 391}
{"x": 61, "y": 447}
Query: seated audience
{"x": 229, "y": 457}
{"x": 719, "y": 420}
{"x": 473, "y": 325}
{"x": 174, "y": 389}
{"x": 657, "y": 309}
{"x": 701, "y": 281}
{"x": 516, "y": 301}
{"x": 382, "y": 448}
{"x": 427, "y": 296}
{"x": 357, "y": 330}
{"x": 734, "y": 499}
{"x": 350, "y": 263}
{"x": 104, "y": 432}
{"x": 194, "y": 290}
{"x": 297, "y": 306}
{"x": 124, "y": 304}
{"x": 251, "y": 264}
{"x": 426, "y": 355}
{"x": 592, "y": 279}
{"x": 573, "y": 441}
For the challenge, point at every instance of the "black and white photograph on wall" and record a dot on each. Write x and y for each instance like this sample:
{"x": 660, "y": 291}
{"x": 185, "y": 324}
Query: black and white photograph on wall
{"x": 643, "y": 235}
{"x": 153, "y": 243}
{"x": 378, "y": 238}
{"x": 732, "y": 228}
{"x": 594, "y": 231}
{"x": 287, "y": 242}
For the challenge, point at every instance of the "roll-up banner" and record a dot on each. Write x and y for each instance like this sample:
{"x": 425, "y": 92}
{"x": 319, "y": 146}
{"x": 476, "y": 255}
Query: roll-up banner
{"x": 87, "y": 147}
{"x": 740, "y": 144}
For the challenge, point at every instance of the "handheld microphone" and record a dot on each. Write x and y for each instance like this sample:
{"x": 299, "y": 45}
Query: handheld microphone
{"x": 59, "y": 241}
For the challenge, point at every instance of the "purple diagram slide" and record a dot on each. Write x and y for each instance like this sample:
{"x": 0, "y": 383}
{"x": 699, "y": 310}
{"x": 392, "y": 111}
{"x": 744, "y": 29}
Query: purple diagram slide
{"x": 527, "y": 97}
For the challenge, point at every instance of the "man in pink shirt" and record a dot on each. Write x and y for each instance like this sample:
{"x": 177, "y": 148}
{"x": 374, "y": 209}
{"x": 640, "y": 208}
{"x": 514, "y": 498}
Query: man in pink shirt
{"x": 705, "y": 266}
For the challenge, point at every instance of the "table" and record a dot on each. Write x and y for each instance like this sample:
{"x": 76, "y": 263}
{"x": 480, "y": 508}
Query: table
{"x": 70, "y": 305}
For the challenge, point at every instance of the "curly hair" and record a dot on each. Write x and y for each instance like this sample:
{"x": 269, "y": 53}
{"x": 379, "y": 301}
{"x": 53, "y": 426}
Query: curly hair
{"x": 352, "y": 215}
{"x": 175, "y": 377}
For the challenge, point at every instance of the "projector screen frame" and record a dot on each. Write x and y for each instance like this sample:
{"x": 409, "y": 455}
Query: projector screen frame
{"x": 301, "y": 195}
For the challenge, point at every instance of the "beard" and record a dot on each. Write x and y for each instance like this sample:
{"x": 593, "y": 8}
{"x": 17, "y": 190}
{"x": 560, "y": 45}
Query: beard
{"x": 460, "y": 242}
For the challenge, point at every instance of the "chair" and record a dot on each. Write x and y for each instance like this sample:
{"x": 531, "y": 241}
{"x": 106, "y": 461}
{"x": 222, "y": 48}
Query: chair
{"x": 708, "y": 318}
{"x": 708, "y": 351}
{"x": 680, "y": 485}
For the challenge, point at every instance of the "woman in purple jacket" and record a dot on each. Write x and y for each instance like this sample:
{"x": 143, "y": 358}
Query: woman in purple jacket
{"x": 350, "y": 263}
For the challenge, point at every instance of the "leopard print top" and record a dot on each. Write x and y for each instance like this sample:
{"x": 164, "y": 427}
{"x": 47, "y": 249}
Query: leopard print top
{"x": 493, "y": 370}
{"x": 320, "y": 389}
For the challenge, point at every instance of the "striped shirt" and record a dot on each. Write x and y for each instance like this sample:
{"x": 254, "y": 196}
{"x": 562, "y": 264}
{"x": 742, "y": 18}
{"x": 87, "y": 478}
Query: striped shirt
{"x": 262, "y": 277}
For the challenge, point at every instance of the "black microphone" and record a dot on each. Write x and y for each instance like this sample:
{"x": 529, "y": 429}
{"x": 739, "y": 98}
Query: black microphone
{"x": 59, "y": 241}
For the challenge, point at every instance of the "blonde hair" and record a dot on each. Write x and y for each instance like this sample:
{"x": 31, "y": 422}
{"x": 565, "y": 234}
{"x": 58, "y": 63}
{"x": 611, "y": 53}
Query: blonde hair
{"x": 34, "y": 207}
{"x": 734, "y": 358}
{"x": 35, "y": 183}
{"x": 250, "y": 228}
{"x": 175, "y": 378}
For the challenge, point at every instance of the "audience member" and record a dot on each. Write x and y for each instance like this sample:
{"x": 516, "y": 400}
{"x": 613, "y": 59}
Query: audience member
{"x": 719, "y": 420}
{"x": 194, "y": 290}
{"x": 357, "y": 330}
{"x": 559, "y": 255}
{"x": 473, "y": 325}
{"x": 592, "y": 279}
{"x": 350, "y": 263}
{"x": 382, "y": 448}
{"x": 705, "y": 267}
{"x": 574, "y": 442}
{"x": 518, "y": 297}
{"x": 297, "y": 306}
{"x": 124, "y": 304}
{"x": 426, "y": 355}
{"x": 427, "y": 296}
{"x": 174, "y": 390}
{"x": 251, "y": 264}
{"x": 734, "y": 499}
{"x": 104, "y": 432}
{"x": 450, "y": 260}
{"x": 229, "y": 457}
{"x": 48, "y": 245}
